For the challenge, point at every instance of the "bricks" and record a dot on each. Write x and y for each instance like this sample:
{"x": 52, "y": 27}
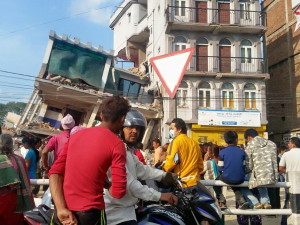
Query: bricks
{"x": 275, "y": 17}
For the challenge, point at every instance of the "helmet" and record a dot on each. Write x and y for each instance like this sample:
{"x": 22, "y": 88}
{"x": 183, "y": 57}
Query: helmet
{"x": 135, "y": 118}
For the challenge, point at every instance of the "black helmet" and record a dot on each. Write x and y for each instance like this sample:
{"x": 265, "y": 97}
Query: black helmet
{"x": 135, "y": 118}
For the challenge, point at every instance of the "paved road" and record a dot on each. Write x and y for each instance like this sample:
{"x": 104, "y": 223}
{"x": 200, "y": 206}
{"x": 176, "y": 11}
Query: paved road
{"x": 231, "y": 220}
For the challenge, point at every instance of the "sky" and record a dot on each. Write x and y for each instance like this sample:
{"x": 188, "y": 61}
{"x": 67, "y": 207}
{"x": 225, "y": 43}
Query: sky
{"x": 24, "y": 32}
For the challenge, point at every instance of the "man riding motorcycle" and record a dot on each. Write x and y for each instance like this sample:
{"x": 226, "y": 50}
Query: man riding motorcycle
{"x": 122, "y": 211}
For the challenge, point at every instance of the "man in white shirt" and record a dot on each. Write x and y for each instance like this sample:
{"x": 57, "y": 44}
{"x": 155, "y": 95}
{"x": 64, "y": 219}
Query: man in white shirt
{"x": 122, "y": 211}
{"x": 290, "y": 161}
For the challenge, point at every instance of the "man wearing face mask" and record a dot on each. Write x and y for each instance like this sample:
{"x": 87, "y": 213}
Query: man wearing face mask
{"x": 184, "y": 157}
{"x": 122, "y": 211}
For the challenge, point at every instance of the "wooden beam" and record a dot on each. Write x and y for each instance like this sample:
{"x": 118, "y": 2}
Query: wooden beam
{"x": 105, "y": 73}
{"x": 28, "y": 107}
{"x": 148, "y": 132}
{"x": 38, "y": 103}
{"x": 94, "y": 114}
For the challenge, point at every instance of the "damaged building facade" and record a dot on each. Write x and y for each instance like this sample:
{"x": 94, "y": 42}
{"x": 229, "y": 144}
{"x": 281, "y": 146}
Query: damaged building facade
{"x": 224, "y": 85}
{"x": 75, "y": 78}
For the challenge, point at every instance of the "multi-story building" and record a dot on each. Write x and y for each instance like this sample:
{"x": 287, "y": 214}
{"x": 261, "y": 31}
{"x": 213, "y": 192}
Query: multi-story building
{"x": 283, "y": 52}
{"x": 226, "y": 77}
{"x": 74, "y": 79}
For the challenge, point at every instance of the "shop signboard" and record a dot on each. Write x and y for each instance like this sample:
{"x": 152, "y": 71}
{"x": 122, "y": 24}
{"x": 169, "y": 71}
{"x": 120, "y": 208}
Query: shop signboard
{"x": 229, "y": 118}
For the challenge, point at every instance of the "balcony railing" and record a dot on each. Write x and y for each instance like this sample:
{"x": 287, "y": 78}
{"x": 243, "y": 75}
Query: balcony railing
{"x": 217, "y": 64}
{"x": 215, "y": 16}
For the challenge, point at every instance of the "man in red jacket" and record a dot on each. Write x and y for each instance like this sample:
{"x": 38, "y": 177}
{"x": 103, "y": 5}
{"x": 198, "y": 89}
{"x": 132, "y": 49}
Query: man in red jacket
{"x": 78, "y": 176}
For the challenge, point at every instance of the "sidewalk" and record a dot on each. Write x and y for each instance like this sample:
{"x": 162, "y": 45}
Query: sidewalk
{"x": 232, "y": 219}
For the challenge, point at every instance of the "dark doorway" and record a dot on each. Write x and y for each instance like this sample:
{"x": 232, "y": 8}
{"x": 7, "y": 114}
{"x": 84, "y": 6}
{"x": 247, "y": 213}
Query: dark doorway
{"x": 201, "y": 12}
{"x": 77, "y": 116}
{"x": 202, "y": 59}
{"x": 225, "y": 59}
{"x": 224, "y": 13}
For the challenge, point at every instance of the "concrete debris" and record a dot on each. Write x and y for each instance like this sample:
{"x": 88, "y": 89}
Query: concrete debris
{"x": 148, "y": 106}
{"x": 142, "y": 74}
{"x": 8, "y": 130}
{"x": 41, "y": 125}
{"x": 55, "y": 78}
{"x": 76, "y": 83}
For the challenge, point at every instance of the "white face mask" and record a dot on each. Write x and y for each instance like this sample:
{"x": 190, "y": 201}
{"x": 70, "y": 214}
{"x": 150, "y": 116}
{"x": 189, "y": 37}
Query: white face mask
{"x": 172, "y": 133}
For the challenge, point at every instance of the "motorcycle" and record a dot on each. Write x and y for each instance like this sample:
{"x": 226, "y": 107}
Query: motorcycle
{"x": 196, "y": 204}
{"x": 41, "y": 215}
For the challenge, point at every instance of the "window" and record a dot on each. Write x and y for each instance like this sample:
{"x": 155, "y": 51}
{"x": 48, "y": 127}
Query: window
{"x": 245, "y": 10}
{"x": 180, "y": 8}
{"x": 129, "y": 88}
{"x": 54, "y": 109}
{"x": 246, "y": 51}
{"x": 227, "y": 96}
{"x": 181, "y": 94}
{"x": 129, "y": 17}
{"x": 224, "y": 42}
{"x": 202, "y": 41}
{"x": 180, "y": 43}
{"x": 250, "y": 96}
{"x": 204, "y": 95}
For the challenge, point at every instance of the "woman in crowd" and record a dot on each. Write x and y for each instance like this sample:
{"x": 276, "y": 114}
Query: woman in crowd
{"x": 15, "y": 190}
{"x": 32, "y": 157}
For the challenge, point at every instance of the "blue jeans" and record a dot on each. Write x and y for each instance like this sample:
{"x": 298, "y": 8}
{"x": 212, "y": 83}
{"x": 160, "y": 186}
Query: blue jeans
{"x": 263, "y": 193}
{"x": 264, "y": 196}
{"x": 250, "y": 198}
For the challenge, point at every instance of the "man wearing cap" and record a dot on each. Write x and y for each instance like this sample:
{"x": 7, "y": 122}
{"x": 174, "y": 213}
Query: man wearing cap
{"x": 57, "y": 142}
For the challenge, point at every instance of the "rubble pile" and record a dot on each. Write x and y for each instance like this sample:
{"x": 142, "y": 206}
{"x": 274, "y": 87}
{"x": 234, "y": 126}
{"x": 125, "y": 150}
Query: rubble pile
{"x": 8, "y": 130}
{"x": 76, "y": 83}
{"x": 152, "y": 106}
{"x": 40, "y": 125}
{"x": 136, "y": 70}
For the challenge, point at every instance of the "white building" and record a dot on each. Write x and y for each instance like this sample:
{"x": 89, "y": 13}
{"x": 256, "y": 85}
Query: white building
{"x": 227, "y": 72}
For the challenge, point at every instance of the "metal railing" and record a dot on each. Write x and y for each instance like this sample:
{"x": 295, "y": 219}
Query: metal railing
{"x": 215, "y": 16}
{"x": 217, "y": 64}
{"x": 204, "y": 182}
{"x": 226, "y": 211}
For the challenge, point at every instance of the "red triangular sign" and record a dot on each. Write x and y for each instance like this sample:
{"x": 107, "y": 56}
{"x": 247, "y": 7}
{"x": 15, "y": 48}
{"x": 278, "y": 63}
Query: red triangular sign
{"x": 170, "y": 68}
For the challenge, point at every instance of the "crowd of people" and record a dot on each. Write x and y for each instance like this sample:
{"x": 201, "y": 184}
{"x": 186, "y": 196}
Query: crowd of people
{"x": 97, "y": 175}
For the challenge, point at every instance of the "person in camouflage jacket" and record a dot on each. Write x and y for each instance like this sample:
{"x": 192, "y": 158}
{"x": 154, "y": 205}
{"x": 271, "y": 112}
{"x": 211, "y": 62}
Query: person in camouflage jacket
{"x": 261, "y": 161}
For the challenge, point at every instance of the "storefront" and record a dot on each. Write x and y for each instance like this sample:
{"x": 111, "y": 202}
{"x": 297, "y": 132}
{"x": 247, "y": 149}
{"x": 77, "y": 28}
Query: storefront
{"x": 212, "y": 124}
{"x": 215, "y": 134}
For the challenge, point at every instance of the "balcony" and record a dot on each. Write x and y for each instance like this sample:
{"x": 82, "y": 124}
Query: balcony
{"x": 215, "y": 20}
{"x": 228, "y": 66}
{"x": 140, "y": 32}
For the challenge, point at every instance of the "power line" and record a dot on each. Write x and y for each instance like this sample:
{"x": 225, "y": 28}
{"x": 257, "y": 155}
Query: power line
{"x": 2, "y": 75}
{"x": 9, "y": 86}
{"x": 52, "y": 21}
{"x": 279, "y": 98}
{"x": 18, "y": 74}
{"x": 22, "y": 85}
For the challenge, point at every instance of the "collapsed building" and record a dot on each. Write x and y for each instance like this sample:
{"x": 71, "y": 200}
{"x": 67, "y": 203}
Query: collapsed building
{"x": 74, "y": 79}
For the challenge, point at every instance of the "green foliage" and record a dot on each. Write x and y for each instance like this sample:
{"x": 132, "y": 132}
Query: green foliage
{"x": 15, "y": 107}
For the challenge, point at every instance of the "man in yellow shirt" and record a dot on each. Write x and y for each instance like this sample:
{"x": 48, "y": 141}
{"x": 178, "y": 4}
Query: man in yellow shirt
{"x": 184, "y": 157}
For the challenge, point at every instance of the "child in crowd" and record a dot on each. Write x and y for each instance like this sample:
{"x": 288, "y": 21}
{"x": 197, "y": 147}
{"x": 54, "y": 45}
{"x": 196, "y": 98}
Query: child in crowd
{"x": 232, "y": 165}
{"x": 211, "y": 172}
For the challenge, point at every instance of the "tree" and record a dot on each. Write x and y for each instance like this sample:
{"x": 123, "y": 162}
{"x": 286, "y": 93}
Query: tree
{"x": 15, "y": 107}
